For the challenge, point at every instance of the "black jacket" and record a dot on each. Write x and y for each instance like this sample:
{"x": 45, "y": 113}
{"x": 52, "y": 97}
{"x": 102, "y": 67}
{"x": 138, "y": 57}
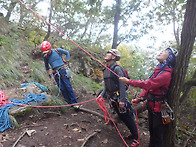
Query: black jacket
{"x": 112, "y": 82}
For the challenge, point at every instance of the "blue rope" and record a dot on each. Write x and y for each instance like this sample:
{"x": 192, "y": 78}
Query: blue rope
{"x": 43, "y": 88}
{"x": 5, "y": 121}
{"x": 59, "y": 85}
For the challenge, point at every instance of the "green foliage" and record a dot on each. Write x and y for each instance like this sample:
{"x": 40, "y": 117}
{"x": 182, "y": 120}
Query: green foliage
{"x": 37, "y": 75}
{"x": 14, "y": 122}
{"x": 134, "y": 61}
{"x": 83, "y": 83}
{"x": 21, "y": 113}
{"x": 2, "y": 40}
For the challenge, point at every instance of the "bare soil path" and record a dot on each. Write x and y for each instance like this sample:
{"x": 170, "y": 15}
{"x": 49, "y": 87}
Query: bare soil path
{"x": 50, "y": 128}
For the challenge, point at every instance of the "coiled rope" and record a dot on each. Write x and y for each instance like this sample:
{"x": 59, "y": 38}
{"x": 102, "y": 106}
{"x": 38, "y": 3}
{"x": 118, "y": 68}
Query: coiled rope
{"x": 5, "y": 121}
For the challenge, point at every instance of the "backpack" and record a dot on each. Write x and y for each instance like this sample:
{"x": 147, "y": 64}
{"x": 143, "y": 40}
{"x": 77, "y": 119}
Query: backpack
{"x": 124, "y": 72}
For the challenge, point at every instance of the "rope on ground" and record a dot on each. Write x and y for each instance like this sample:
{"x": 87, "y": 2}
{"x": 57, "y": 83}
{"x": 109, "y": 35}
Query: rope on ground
{"x": 101, "y": 103}
{"x": 43, "y": 88}
{"x": 5, "y": 121}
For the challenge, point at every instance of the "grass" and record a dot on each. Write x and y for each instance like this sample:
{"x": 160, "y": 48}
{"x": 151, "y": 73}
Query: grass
{"x": 81, "y": 82}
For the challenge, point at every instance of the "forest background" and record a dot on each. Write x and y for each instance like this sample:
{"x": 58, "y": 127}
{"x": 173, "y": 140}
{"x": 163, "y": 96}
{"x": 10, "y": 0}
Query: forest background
{"x": 97, "y": 26}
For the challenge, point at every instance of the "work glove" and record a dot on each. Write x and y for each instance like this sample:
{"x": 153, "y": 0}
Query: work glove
{"x": 67, "y": 63}
{"x": 50, "y": 76}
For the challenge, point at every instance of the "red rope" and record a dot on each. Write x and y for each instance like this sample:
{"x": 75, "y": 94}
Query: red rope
{"x": 3, "y": 98}
{"x": 137, "y": 125}
{"x": 101, "y": 103}
{"x": 51, "y": 106}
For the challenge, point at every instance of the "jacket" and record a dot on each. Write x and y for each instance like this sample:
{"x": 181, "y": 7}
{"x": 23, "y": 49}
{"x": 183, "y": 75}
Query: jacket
{"x": 55, "y": 59}
{"x": 157, "y": 85}
{"x": 112, "y": 82}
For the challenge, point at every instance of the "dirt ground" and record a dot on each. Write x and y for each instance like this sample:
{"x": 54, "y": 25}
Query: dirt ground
{"x": 47, "y": 127}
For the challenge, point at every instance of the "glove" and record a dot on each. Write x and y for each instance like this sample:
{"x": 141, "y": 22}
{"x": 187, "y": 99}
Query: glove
{"x": 67, "y": 63}
{"x": 50, "y": 76}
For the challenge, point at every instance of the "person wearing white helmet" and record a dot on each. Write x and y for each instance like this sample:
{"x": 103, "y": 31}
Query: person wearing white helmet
{"x": 53, "y": 57}
{"x": 155, "y": 92}
{"x": 115, "y": 91}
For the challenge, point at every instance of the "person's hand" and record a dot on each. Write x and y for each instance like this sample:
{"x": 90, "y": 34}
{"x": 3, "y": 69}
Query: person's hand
{"x": 49, "y": 75}
{"x": 67, "y": 63}
{"x": 99, "y": 96}
{"x": 121, "y": 104}
{"x": 134, "y": 101}
{"x": 124, "y": 80}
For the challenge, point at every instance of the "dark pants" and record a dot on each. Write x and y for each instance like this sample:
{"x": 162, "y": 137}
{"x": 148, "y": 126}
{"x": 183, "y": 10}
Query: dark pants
{"x": 155, "y": 128}
{"x": 65, "y": 86}
{"x": 127, "y": 118}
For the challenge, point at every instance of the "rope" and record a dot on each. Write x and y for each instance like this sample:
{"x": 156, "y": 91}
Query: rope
{"x": 43, "y": 88}
{"x": 137, "y": 125}
{"x": 101, "y": 103}
{"x": 3, "y": 98}
{"x": 5, "y": 121}
{"x": 57, "y": 106}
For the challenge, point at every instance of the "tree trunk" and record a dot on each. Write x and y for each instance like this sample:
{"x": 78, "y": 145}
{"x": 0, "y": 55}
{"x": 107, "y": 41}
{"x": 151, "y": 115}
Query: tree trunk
{"x": 116, "y": 21}
{"x": 10, "y": 9}
{"x": 187, "y": 87}
{"x": 187, "y": 41}
{"x": 50, "y": 17}
{"x": 86, "y": 27}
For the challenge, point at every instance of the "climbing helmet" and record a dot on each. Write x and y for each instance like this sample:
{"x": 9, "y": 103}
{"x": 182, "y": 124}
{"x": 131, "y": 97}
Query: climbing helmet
{"x": 45, "y": 46}
{"x": 174, "y": 51}
{"x": 116, "y": 53}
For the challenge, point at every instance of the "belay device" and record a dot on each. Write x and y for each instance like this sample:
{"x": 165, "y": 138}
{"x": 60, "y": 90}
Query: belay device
{"x": 166, "y": 113}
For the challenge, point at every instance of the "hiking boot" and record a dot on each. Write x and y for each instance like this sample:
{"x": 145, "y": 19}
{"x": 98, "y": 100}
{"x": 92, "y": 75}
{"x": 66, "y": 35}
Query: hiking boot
{"x": 134, "y": 143}
{"x": 76, "y": 107}
{"x": 128, "y": 137}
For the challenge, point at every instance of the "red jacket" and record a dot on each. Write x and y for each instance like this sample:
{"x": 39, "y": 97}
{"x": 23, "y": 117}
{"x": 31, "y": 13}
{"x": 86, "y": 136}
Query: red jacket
{"x": 153, "y": 84}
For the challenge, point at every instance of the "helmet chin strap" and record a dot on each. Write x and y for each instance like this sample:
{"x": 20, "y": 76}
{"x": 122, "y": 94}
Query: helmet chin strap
{"x": 108, "y": 60}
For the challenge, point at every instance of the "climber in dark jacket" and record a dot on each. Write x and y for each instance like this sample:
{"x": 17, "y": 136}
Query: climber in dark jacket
{"x": 115, "y": 91}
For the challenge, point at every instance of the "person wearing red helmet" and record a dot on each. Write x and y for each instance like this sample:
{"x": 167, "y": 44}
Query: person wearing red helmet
{"x": 45, "y": 47}
{"x": 115, "y": 91}
{"x": 53, "y": 57}
{"x": 155, "y": 92}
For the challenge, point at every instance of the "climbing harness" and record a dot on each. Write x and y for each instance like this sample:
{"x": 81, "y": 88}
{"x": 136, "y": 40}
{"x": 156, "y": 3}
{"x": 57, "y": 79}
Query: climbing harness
{"x": 68, "y": 72}
{"x": 167, "y": 113}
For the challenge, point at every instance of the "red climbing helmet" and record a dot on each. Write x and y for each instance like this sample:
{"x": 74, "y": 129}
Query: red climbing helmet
{"x": 116, "y": 53}
{"x": 45, "y": 46}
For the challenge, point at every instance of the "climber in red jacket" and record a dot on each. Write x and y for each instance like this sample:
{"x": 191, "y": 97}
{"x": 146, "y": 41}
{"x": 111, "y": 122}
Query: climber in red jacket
{"x": 155, "y": 91}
